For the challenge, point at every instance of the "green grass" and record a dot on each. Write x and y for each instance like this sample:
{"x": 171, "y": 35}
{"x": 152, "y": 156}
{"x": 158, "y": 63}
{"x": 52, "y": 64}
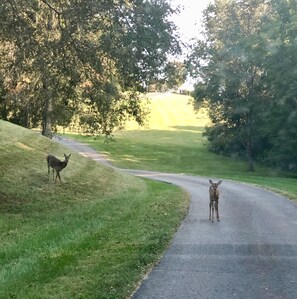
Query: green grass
{"x": 173, "y": 142}
{"x": 93, "y": 236}
{"x": 97, "y": 234}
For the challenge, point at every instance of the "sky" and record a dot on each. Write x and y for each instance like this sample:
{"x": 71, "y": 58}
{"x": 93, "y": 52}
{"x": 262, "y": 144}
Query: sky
{"x": 189, "y": 23}
{"x": 189, "y": 19}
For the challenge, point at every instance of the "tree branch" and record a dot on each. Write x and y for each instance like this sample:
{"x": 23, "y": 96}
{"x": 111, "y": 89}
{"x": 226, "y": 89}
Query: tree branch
{"x": 51, "y": 7}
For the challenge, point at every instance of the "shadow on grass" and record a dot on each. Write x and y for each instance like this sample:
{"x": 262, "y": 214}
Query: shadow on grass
{"x": 197, "y": 129}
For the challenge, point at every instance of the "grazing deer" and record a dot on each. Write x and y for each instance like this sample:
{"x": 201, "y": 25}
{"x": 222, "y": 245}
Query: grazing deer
{"x": 56, "y": 165}
{"x": 214, "y": 194}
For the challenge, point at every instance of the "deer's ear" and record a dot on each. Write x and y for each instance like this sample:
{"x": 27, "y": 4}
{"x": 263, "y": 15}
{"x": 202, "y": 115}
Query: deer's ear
{"x": 210, "y": 181}
{"x": 220, "y": 182}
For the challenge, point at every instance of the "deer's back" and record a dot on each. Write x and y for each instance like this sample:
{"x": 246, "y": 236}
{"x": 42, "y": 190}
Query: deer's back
{"x": 55, "y": 162}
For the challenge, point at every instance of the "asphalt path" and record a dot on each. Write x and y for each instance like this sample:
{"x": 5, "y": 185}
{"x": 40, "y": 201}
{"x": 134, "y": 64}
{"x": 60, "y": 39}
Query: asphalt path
{"x": 250, "y": 253}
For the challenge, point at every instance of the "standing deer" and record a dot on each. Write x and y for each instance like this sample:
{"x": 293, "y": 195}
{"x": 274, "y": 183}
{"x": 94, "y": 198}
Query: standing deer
{"x": 56, "y": 165}
{"x": 214, "y": 194}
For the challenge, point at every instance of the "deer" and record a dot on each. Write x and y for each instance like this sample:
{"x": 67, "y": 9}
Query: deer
{"x": 57, "y": 165}
{"x": 214, "y": 195}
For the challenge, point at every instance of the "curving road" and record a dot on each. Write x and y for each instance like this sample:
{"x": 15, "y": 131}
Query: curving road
{"x": 251, "y": 253}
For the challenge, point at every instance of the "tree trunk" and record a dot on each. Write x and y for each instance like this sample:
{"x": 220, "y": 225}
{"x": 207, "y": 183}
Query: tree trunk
{"x": 250, "y": 155}
{"x": 47, "y": 113}
{"x": 250, "y": 144}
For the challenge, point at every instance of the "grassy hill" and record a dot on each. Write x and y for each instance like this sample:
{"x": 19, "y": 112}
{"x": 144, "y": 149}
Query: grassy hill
{"x": 169, "y": 110}
{"x": 97, "y": 233}
{"x": 93, "y": 236}
{"x": 173, "y": 142}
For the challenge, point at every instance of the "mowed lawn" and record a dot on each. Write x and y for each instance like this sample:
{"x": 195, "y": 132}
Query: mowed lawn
{"x": 172, "y": 141}
{"x": 95, "y": 235}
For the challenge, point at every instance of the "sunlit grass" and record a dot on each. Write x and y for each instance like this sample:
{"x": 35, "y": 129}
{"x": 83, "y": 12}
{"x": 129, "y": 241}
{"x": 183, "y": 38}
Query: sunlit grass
{"x": 172, "y": 112}
{"x": 93, "y": 236}
{"x": 173, "y": 142}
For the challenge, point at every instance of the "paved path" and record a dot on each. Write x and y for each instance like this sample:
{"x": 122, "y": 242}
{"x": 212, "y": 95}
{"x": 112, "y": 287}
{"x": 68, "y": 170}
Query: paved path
{"x": 251, "y": 253}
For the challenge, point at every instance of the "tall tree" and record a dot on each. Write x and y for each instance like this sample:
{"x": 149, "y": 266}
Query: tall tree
{"x": 59, "y": 54}
{"x": 229, "y": 63}
{"x": 281, "y": 122}
{"x": 175, "y": 73}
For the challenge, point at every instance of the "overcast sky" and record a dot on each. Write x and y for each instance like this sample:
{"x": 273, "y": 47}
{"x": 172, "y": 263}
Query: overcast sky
{"x": 189, "y": 19}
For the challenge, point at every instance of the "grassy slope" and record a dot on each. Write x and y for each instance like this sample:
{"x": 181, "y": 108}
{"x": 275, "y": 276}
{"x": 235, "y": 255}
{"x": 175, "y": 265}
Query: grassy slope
{"x": 93, "y": 236}
{"x": 174, "y": 143}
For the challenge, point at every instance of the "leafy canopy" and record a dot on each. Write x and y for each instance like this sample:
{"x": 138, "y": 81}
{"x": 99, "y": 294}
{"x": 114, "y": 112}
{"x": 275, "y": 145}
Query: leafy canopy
{"x": 245, "y": 76}
{"x": 90, "y": 58}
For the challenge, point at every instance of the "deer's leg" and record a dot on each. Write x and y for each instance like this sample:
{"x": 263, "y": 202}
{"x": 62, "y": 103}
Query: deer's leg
{"x": 217, "y": 209}
{"x": 212, "y": 210}
{"x": 53, "y": 174}
{"x": 58, "y": 175}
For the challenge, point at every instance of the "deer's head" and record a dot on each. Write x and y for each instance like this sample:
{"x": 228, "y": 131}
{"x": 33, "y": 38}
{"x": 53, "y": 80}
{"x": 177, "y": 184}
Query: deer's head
{"x": 215, "y": 186}
{"x": 213, "y": 189}
{"x": 67, "y": 157}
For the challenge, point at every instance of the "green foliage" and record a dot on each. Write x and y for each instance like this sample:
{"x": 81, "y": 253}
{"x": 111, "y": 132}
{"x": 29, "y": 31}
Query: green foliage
{"x": 60, "y": 56}
{"x": 174, "y": 143}
{"x": 247, "y": 77}
{"x": 281, "y": 122}
{"x": 175, "y": 74}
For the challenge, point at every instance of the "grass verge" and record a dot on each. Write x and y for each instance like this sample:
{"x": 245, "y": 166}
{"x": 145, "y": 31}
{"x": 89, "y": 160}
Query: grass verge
{"x": 174, "y": 143}
{"x": 93, "y": 236}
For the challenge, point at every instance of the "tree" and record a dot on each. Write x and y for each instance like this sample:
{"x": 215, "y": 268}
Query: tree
{"x": 75, "y": 54}
{"x": 281, "y": 121}
{"x": 229, "y": 63}
{"x": 175, "y": 74}
{"x": 3, "y": 101}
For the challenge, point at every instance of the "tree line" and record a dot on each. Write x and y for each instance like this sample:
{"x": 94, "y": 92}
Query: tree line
{"x": 89, "y": 58}
{"x": 245, "y": 67}
{"x": 92, "y": 59}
